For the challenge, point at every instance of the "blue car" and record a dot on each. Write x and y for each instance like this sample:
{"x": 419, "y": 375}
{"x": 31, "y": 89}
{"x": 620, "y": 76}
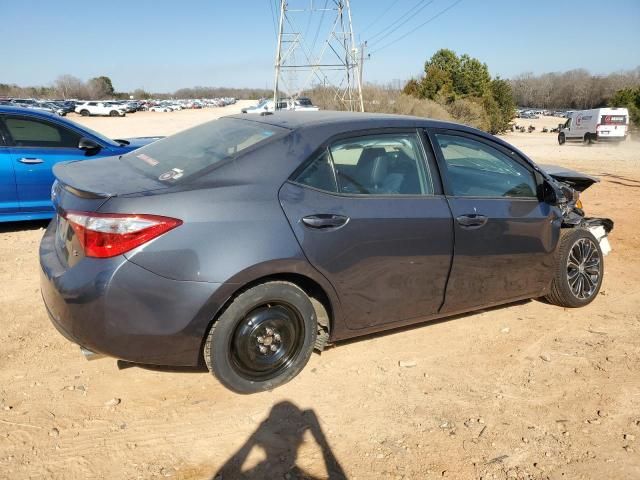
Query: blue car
{"x": 31, "y": 143}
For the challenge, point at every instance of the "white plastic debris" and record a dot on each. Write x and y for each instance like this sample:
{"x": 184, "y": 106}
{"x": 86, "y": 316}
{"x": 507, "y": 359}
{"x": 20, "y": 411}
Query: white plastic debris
{"x": 601, "y": 234}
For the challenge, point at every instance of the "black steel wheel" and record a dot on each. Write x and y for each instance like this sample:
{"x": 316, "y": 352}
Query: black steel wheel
{"x": 266, "y": 341}
{"x": 263, "y": 339}
{"x": 579, "y": 269}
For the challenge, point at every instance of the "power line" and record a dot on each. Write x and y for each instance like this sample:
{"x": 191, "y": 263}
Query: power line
{"x": 404, "y": 18}
{"x": 418, "y": 27}
{"x": 273, "y": 18}
{"x": 315, "y": 38}
{"x": 379, "y": 17}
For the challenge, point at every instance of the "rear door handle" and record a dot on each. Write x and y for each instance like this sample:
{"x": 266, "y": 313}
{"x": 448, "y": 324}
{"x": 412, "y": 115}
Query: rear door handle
{"x": 31, "y": 161}
{"x": 325, "y": 221}
{"x": 471, "y": 220}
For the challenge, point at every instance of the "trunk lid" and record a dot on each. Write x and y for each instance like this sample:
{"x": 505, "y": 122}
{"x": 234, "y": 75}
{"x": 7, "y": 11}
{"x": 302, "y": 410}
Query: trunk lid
{"x": 104, "y": 177}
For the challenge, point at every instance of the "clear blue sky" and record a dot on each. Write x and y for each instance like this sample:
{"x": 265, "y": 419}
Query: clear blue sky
{"x": 163, "y": 45}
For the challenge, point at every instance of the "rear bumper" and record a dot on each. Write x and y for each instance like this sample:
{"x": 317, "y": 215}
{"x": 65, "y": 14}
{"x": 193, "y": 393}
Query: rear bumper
{"x": 116, "y": 308}
{"x": 610, "y": 138}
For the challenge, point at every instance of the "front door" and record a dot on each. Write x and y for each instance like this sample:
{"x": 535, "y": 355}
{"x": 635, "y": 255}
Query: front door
{"x": 371, "y": 218}
{"x": 36, "y": 146}
{"x": 8, "y": 195}
{"x": 504, "y": 235}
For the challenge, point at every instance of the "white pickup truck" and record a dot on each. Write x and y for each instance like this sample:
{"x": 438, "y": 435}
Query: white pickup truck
{"x": 101, "y": 108}
{"x": 300, "y": 104}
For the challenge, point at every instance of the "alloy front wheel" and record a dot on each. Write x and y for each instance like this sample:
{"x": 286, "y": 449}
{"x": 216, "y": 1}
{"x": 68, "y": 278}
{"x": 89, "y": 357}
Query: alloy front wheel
{"x": 578, "y": 270}
{"x": 583, "y": 268}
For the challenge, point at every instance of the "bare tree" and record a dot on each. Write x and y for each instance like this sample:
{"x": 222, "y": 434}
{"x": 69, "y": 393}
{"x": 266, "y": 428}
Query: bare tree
{"x": 577, "y": 89}
{"x": 68, "y": 86}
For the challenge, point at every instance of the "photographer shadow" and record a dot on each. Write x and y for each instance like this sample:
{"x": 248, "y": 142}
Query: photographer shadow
{"x": 280, "y": 436}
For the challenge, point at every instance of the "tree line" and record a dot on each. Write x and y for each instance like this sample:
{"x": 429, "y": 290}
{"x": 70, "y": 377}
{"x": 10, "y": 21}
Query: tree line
{"x": 452, "y": 87}
{"x": 574, "y": 89}
{"x": 101, "y": 88}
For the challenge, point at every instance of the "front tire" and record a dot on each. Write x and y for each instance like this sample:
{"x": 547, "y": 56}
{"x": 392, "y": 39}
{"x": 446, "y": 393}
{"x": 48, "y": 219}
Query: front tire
{"x": 561, "y": 138}
{"x": 579, "y": 269}
{"x": 84, "y": 113}
{"x": 263, "y": 339}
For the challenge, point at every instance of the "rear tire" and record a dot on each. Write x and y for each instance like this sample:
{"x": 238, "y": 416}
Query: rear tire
{"x": 578, "y": 270}
{"x": 561, "y": 138}
{"x": 263, "y": 339}
{"x": 114, "y": 113}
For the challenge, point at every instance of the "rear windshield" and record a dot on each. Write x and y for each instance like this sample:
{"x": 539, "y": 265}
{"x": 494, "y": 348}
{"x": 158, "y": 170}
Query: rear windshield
{"x": 186, "y": 153}
{"x": 614, "y": 120}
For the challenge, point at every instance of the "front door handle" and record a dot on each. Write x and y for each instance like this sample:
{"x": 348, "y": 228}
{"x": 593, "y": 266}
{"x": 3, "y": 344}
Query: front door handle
{"x": 31, "y": 161}
{"x": 471, "y": 220}
{"x": 325, "y": 221}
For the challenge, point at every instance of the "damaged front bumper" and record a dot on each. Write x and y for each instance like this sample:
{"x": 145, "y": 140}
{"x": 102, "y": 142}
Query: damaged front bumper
{"x": 570, "y": 184}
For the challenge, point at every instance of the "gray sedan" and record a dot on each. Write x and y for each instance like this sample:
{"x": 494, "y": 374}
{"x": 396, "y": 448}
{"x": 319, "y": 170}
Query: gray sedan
{"x": 243, "y": 244}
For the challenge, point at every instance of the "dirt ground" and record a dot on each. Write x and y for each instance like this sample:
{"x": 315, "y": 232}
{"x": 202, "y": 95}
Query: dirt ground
{"x": 524, "y": 391}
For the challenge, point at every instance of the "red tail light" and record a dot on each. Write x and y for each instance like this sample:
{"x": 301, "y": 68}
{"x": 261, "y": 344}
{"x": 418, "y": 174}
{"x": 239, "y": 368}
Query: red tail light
{"x": 105, "y": 235}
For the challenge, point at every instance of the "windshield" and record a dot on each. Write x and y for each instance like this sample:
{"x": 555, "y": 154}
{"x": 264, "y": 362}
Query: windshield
{"x": 193, "y": 150}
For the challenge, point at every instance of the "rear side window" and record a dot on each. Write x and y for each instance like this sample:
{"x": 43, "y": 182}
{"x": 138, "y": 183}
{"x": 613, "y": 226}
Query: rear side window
{"x": 385, "y": 164}
{"x": 193, "y": 150}
{"x": 319, "y": 174}
{"x": 478, "y": 170}
{"x": 27, "y": 132}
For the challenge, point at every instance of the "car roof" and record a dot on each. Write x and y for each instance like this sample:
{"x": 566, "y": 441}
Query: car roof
{"x": 293, "y": 120}
{"x": 28, "y": 111}
{"x": 335, "y": 122}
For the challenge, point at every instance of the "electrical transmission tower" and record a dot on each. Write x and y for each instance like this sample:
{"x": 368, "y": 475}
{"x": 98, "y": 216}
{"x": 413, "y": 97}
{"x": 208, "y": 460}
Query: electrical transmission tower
{"x": 335, "y": 65}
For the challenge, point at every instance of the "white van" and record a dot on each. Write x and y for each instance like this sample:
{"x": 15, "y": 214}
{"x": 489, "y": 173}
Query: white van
{"x": 598, "y": 124}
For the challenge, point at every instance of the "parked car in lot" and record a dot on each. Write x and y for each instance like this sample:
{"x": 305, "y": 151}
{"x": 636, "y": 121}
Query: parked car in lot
{"x": 100, "y": 108}
{"x": 303, "y": 104}
{"x": 192, "y": 251}
{"x": 31, "y": 143}
{"x": 160, "y": 108}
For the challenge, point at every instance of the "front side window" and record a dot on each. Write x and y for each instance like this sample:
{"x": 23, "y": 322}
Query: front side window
{"x": 27, "y": 132}
{"x": 385, "y": 164}
{"x": 475, "y": 169}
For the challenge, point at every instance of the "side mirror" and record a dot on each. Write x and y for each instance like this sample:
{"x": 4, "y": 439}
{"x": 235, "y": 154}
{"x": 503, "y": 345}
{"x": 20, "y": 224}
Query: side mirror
{"x": 88, "y": 145}
{"x": 550, "y": 194}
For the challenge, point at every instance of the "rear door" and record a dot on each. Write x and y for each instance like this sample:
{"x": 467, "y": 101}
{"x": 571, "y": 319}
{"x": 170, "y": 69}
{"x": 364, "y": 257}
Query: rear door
{"x": 504, "y": 235}
{"x": 36, "y": 146}
{"x": 8, "y": 194}
{"x": 369, "y": 213}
